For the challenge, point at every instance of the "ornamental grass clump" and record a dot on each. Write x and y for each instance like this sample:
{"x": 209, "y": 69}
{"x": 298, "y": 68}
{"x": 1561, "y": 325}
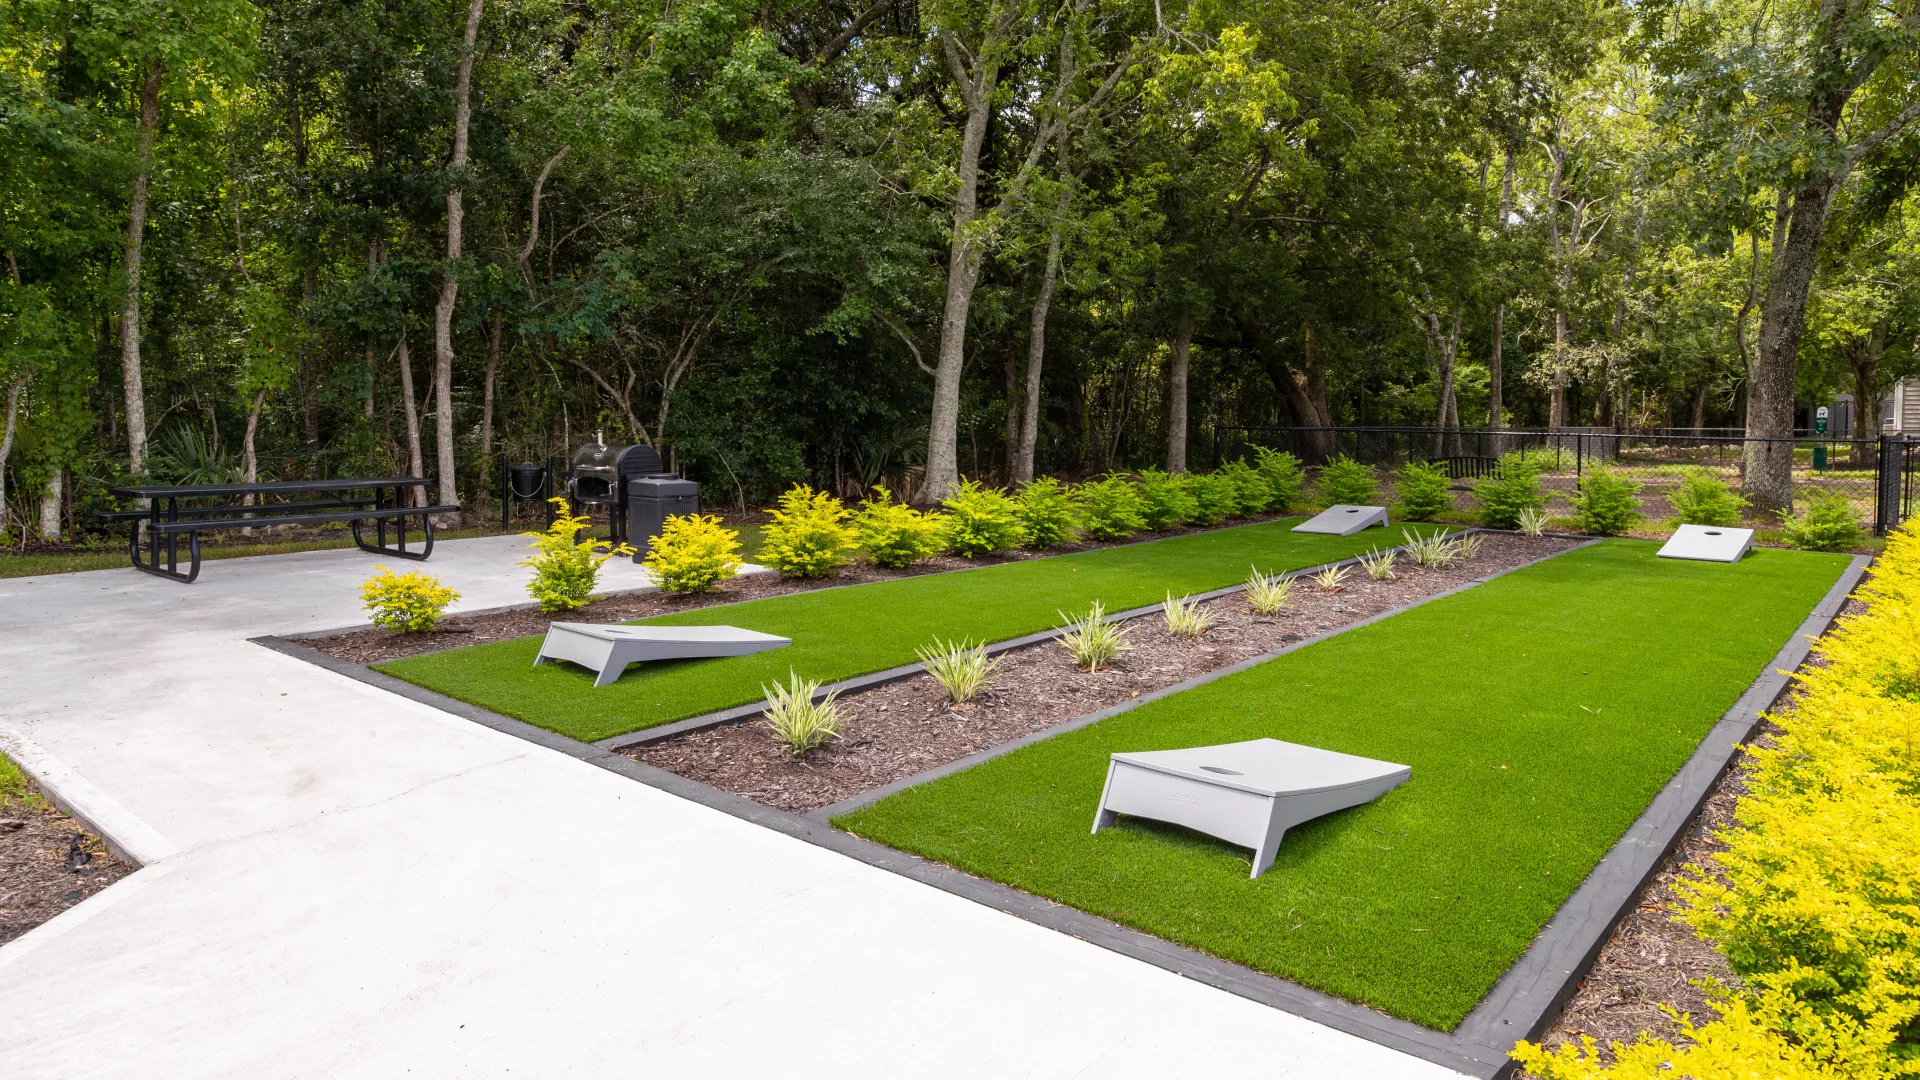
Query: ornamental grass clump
{"x": 1282, "y": 473}
{"x": 1346, "y": 482}
{"x": 1379, "y": 564}
{"x": 1607, "y": 503}
{"x": 1533, "y": 522}
{"x": 1828, "y": 524}
{"x": 1704, "y": 499}
{"x": 963, "y": 668}
{"x": 1050, "y": 513}
{"x": 1214, "y": 497}
{"x": 1267, "y": 595}
{"x": 1251, "y": 494}
{"x": 1510, "y": 492}
{"x": 1185, "y": 617}
{"x": 1468, "y": 546}
{"x": 798, "y": 722}
{"x": 411, "y": 603}
{"x": 565, "y": 570}
{"x": 981, "y": 520}
{"x": 1112, "y": 508}
{"x": 1331, "y": 578}
{"x": 1165, "y": 502}
{"x": 807, "y": 536}
{"x": 1424, "y": 491}
{"x": 1813, "y": 899}
{"x": 694, "y": 553}
{"x": 1435, "y": 552}
{"x": 1094, "y": 640}
{"x": 895, "y": 535}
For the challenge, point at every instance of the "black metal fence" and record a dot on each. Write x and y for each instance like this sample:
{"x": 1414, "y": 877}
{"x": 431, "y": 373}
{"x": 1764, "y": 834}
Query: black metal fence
{"x": 1879, "y": 476}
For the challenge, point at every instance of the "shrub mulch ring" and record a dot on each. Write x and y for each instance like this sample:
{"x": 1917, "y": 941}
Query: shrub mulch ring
{"x": 371, "y": 646}
{"x": 907, "y": 727}
{"x": 48, "y": 863}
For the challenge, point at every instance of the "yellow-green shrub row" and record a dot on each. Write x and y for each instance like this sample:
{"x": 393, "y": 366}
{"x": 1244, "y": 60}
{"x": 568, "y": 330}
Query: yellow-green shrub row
{"x": 1819, "y": 912}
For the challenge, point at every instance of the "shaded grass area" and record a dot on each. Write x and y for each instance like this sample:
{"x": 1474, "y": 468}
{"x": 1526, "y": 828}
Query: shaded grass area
{"x": 1541, "y": 713}
{"x": 840, "y": 633}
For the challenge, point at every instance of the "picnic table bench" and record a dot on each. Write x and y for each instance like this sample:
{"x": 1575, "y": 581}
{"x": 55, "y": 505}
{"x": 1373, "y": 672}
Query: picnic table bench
{"x": 380, "y": 500}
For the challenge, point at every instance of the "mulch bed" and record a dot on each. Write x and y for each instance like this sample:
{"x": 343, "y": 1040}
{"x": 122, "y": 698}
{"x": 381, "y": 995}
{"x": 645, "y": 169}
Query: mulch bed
{"x": 371, "y": 646}
{"x": 48, "y": 863}
{"x": 904, "y": 728}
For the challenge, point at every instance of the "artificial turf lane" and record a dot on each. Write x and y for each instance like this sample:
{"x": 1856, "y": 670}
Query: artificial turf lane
{"x": 1541, "y": 712}
{"x": 859, "y": 629}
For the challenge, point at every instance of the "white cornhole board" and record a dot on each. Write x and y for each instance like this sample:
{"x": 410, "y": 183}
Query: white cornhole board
{"x": 609, "y": 649}
{"x": 1708, "y": 543}
{"x": 1344, "y": 520}
{"x": 1246, "y": 793}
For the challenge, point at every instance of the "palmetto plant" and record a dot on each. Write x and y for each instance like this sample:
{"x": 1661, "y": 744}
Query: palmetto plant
{"x": 800, "y": 723}
{"x": 1267, "y": 595}
{"x": 962, "y": 667}
{"x": 1378, "y": 564}
{"x": 183, "y": 455}
{"x": 1185, "y": 617}
{"x": 1095, "y": 639}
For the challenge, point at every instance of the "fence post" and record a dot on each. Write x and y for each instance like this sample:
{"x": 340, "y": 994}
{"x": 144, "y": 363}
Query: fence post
{"x": 1887, "y": 486}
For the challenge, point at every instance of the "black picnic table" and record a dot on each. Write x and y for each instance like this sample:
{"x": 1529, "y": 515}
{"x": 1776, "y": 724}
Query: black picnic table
{"x": 176, "y": 510}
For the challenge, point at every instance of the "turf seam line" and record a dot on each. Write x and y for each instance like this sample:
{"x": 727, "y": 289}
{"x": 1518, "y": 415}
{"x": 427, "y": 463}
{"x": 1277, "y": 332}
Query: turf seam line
{"x": 939, "y": 772}
{"x": 1342, "y": 1015}
{"x": 736, "y": 713}
{"x": 1526, "y": 1000}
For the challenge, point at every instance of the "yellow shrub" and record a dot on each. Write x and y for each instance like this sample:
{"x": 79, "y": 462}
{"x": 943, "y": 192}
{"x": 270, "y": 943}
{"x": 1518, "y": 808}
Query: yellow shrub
{"x": 564, "y": 572}
{"x": 807, "y": 537}
{"x": 406, "y": 602}
{"x": 1819, "y": 909}
{"x": 693, "y": 553}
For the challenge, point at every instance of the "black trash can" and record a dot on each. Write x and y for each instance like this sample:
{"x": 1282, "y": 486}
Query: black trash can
{"x": 651, "y": 500}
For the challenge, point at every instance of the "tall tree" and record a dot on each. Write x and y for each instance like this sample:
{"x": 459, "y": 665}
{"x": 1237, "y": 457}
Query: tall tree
{"x": 449, "y": 282}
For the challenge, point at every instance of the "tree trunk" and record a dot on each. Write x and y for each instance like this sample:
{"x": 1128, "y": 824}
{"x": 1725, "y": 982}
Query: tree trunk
{"x": 415, "y": 466}
{"x": 1496, "y": 373}
{"x": 1700, "y": 407}
{"x": 247, "y": 453}
{"x": 486, "y": 402}
{"x": 1020, "y": 467}
{"x": 449, "y": 284}
{"x": 14, "y": 391}
{"x": 1768, "y": 484}
{"x": 1179, "y": 364}
{"x": 50, "y": 507}
{"x": 130, "y": 373}
{"x": 1864, "y": 360}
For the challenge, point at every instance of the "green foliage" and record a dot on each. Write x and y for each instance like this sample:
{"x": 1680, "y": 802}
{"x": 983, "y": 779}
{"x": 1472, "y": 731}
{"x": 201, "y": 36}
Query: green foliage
{"x": 693, "y": 553}
{"x": 565, "y": 571}
{"x": 1251, "y": 494}
{"x": 1379, "y": 564}
{"x": 1704, "y": 499}
{"x": 1434, "y": 551}
{"x": 1185, "y": 617}
{"x": 1050, "y": 513}
{"x": 1424, "y": 491}
{"x": 1534, "y": 522}
{"x": 1214, "y": 498}
{"x": 961, "y": 668}
{"x": 981, "y": 520}
{"x": 798, "y": 722}
{"x": 1093, "y": 640}
{"x": 807, "y": 537}
{"x": 895, "y": 535}
{"x": 1507, "y": 495}
{"x": 1828, "y": 524}
{"x": 1165, "y": 502}
{"x": 1608, "y": 503}
{"x": 1113, "y": 508}
{"x": 1267, "y": 595}
{"x": 406, "y": 603}
{"x": 1344, "y": 481}
{"x": 1283, "y": 475}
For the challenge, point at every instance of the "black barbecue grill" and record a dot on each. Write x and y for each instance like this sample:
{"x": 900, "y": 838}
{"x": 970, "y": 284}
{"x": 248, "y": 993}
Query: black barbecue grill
{"x": 598, "y": 476}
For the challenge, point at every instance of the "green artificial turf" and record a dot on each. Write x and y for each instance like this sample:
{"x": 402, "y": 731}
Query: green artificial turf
{"x": 1541, "y": 712}
{"x": 840, "y": 633}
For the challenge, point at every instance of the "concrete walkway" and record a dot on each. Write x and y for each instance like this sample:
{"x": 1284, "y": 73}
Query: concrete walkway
{"x": 342, "y": 883}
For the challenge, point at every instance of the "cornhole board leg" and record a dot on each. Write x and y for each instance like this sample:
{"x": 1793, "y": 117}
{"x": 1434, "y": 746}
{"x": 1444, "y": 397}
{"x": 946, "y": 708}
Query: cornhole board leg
{"x": 595, "y": 654}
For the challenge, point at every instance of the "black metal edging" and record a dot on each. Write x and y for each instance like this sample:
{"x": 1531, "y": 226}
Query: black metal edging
{"x": 718, "y": 718}
{"x": 1478, "y": 1047}
{"x": 868, "y": 798}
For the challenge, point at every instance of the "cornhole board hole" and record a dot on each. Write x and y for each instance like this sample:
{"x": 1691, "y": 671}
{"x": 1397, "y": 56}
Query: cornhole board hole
{"x": 609, "y": 649}
{"x": 1246, "y": 793}
{"x": 1344, "y": 520}
{"x": 1708, "y": 543}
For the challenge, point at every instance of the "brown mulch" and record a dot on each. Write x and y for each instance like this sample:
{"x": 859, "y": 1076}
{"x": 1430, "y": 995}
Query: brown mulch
{"x": 371, "y": 646}
{"x": 1653, "y": 958}
{"x": 48, "y": 863}
{"x": 904, "y": 728}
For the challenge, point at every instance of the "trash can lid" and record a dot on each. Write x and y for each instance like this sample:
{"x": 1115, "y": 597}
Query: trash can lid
{"x": 662, "y": 487}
